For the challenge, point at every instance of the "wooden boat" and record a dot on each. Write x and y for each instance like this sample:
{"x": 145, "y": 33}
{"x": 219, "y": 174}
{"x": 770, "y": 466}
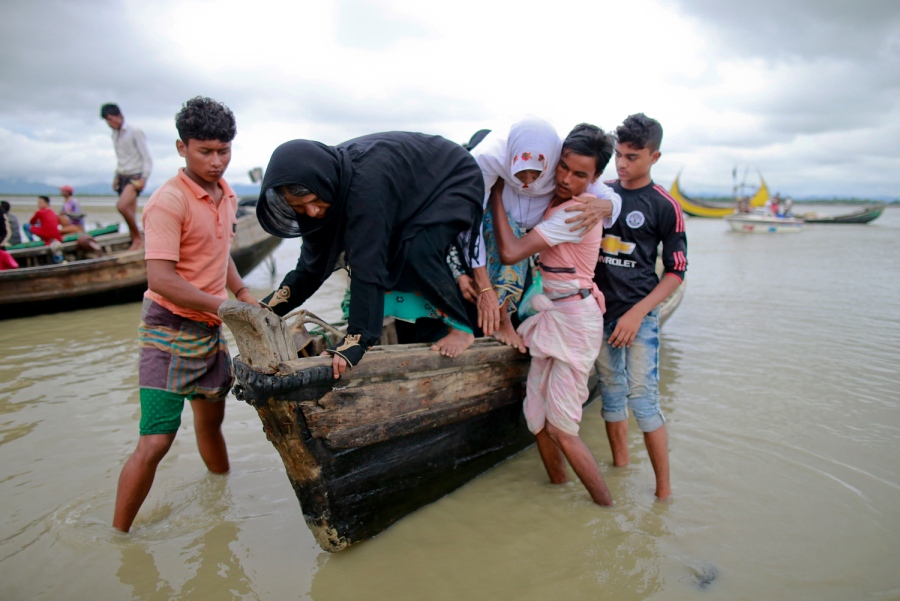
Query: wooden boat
{"x": 397, "y": 432}
{"x": 100, "y": 231}
{"x": 761, "y": 223}
{"x": 699, "y": 208}
{"x": 866, "y": 214}
{"x": 40, "y": 286}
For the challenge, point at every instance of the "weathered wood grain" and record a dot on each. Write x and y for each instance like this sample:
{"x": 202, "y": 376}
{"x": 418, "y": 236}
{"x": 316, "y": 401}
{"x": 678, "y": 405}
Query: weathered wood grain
{"x": 263, "y": 338}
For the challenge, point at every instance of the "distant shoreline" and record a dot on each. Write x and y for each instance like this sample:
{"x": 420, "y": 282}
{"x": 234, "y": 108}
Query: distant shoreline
{"x": 109, "y": 200}
{"x": 97, "y": 202}
{"x": 87, "y": 201}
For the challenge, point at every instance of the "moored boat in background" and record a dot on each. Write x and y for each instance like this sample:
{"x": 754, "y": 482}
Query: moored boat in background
{"x": 763, "y": 223}
{"x": 866, "y": 214}
{"x": 699, "y": 208}
{"x": 118, "y": 275}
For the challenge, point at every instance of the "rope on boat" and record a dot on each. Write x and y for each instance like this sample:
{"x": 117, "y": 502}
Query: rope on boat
{"x": 256, "y": 388}
{"x": 304, "y": 316}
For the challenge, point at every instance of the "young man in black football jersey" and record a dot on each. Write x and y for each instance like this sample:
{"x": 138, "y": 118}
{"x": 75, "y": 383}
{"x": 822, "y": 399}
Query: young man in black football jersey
{"x": 626, "y": 274}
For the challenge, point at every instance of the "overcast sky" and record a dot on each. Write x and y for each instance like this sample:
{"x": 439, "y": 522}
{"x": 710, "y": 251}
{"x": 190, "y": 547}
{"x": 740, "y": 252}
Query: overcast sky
{"x": 806, "y": 92}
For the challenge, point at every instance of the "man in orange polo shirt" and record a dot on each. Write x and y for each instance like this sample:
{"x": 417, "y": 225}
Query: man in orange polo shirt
{"x": 189, "y": 224}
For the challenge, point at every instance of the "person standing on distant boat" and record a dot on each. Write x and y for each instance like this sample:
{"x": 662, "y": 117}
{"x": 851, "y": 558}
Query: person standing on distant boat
{"x": 132, "y": 170}
{"x": 387, "y": 206}
{"x": 564, "y": 335}
{"x": 6, "y": 260}
{"x": 524, "y": 157}
{"x": 628, "y": 363}
{"x": 190, "y": 223}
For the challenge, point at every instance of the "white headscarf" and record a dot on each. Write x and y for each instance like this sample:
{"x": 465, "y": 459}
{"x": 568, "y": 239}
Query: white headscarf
{"x": 531, "y": 143}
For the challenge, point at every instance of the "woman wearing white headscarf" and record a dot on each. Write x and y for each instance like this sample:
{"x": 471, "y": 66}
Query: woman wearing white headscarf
{"x": 524, "y": 158}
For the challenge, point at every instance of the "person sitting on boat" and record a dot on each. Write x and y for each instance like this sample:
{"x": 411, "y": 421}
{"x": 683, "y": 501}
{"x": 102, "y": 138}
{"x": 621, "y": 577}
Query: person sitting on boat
{"x": 6, "y": 260}
{"x": 14, "y": 236}
{"x": 44, "y": 224}
{"x": 628, "y": 364}
{"x": 387, "y": 206}
{"x": 564, "y": 335}
{"x": 189, "y": 224}
{"x": 787, "y": 205}
{"x": 524, "y": 158}
{"x": 71, "y": 219}
{"x": 773, "y": 205}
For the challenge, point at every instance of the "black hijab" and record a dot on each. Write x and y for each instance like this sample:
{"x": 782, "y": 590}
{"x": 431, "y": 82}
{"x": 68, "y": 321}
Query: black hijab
{"x": 324, "y": 170}
{"x": 382, "y": 189}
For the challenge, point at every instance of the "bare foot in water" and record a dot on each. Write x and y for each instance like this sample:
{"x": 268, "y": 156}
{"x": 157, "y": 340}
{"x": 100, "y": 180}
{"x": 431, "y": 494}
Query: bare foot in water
{"x": 453, "y": 343}
{"x": 507, "y": 334}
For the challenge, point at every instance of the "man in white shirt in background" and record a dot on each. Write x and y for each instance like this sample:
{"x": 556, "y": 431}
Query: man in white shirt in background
{"x": 133, "y": 168}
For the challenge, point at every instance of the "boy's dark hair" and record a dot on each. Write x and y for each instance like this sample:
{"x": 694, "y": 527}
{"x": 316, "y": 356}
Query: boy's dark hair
{"x": 591, "y": 141}
{"x": 640, "y": 131}
{"x": 203, "y": 118}
{"x": 110, "y": 109}
{"x": 45, "y": 198}
{"x": 4, "y": 206}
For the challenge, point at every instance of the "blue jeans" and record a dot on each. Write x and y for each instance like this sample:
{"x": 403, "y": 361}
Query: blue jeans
{"x": 629, "y": 376}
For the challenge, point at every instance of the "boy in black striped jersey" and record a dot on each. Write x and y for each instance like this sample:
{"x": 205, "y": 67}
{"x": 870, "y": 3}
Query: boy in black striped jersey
{"x": 628, "y": 363}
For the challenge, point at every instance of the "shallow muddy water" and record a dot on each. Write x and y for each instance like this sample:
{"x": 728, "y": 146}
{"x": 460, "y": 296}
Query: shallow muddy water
{"x": 780, "y": 385}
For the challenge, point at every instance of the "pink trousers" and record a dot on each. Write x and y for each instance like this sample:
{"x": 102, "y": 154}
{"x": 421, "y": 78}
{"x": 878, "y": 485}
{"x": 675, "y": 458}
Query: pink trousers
{"x": 564, "y": 339}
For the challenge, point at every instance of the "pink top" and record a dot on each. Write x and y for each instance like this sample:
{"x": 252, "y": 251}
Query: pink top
{"x": 569, "y": 249}
{"x": 183, "y": 224}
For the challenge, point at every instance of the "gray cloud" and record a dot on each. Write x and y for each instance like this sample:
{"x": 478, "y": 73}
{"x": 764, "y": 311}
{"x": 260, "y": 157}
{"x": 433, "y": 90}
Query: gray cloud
{"x": 865, "y": 30}
{"x": 830, "y": 98}
{"x": 831, "y": 68}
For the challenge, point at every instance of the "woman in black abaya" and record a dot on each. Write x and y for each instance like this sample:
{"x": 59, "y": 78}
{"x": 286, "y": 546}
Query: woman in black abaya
{"x": 386, "y": 206}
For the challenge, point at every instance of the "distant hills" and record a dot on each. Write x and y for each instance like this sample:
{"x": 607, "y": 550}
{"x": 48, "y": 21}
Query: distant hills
{"x": 15, "y": 187}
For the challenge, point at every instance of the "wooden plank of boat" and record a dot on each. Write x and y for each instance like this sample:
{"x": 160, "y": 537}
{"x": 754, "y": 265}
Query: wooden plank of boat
{"x": 69, "y": 240}
{"x": 866, "y": 214}
{"x": 40, "y": 286}
{"x": 397, "y": 432}
{"x": 763, "y": 224}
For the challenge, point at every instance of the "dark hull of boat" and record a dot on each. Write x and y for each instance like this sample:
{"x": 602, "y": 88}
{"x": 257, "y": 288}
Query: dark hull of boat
{"x": 359, "y": 491}
{"x": 118, "y": 296}
{"x": 391, "y": 439}
{"x": 865, "y": 215}
{"x": 116, "y": 279}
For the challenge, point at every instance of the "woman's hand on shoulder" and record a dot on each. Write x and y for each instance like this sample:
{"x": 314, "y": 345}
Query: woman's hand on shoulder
{"x": 590, "y": 212}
